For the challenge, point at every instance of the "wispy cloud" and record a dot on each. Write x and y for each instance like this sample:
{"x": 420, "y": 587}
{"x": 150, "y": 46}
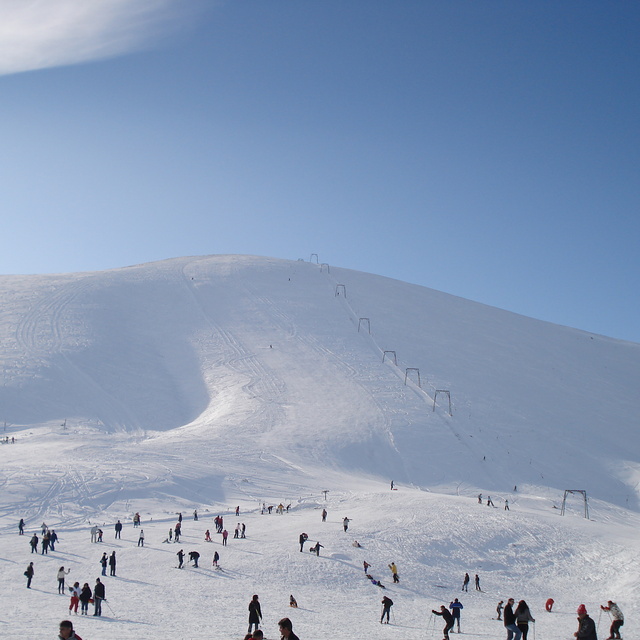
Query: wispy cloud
{"x": 35, "y": 34}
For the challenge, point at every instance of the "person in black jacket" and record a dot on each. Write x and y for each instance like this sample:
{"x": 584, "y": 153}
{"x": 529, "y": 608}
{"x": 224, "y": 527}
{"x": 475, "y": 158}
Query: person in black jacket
{"x": 513, "y": 633}
{"x": 255, "y": 613}
{"x": 112, "y": 564}
{"x": 387, "y": 603}
{"x": 85, "y": 596}
{"x": 586, "y": 626}
{"x": 448, "y": 619}
{"x": 98, "y": 597}
{"x": 29, "y": 573}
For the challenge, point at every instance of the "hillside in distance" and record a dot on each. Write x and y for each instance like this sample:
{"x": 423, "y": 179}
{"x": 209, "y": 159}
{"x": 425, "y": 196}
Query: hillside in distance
{"x": 296, "y": 370}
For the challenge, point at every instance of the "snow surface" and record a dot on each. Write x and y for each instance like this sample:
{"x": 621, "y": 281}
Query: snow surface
{"x": 220, "y": 381}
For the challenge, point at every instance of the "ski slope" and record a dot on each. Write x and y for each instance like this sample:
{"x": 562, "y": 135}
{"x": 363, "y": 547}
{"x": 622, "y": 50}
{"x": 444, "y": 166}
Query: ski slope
{"x": 210, "y": 382}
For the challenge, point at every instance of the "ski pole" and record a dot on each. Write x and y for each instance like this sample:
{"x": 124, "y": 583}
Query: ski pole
{"x": 105, "y": 601}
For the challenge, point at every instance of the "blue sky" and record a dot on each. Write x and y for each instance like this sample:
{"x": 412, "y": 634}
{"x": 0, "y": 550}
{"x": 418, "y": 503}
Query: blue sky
{"x": 486, "y": 149}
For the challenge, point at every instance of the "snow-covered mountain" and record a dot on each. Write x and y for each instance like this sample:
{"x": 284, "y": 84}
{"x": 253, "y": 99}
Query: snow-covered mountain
{"x": 211, "y": 381}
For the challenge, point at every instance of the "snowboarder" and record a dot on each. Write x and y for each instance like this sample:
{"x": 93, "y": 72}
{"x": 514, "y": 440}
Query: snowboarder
{"x": 448, "y": 619}
{"x": 345, "y": 523}
{"x": 523, "y": 618}
{"x": 29, "y": 573}
{"x": 193, "y": 556}
{"x": 586, "y": 626}
{"x": 118, "y": 529}
{"x": 618, "y": 618}
{"x": 477, "y": 579}
{"x": 112, "y": 564}
{"x": 255, "y": 613}
{"x": 67, "y": 632}
{"x": 303, "y": 538}
{"x": 456, "y": 608}
{"x": 465, "y": 584}
{"x": 286, "y": 629}
{"x": 180, "y": 555}
{"x": 98, "y": 597}
{"x": 510, "y": 621}
{"x": 394, "y": 572}
{"x": 387, "y": 603}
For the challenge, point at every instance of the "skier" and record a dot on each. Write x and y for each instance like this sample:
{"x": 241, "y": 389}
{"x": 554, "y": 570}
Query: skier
{"x": 180, "y": 555}
{"x": 29, "y": 573}
{"x": 112, "y": 564}
{"x": 286, "y": 629}
{"x": 489, "y": 502}
{"x": 456, "y": 608}
{"x": 549, "y": 604}
{"x": 499, "y": 609}
{"x": 98, "y": 597}
{"x": 394, "y": 572}
{"x": 523, "y": 617}
{"x": 465, "y": 584}
{"x": 118, "y": 529}
{"x": 586, "y": 626}
{"x": 618, "y": 618}
{"x": 243, "y": 531}
{"x": 477, "y": 579}
{"x": 193, "y": 556}
{"x": 141, "y": 538}
{"x": 61, "y": 574}
{"x": 303, "y": 538}
{"x": 67, "y": 632}
{"x": 510, "y": 621}
{"x": 216, "y": 557}
{"x": 104, "y": 561}
{"x": 345, "y": 524}
{"x": 506, "y": 505}
{"x": 387, "y": 603}
{"x": 448, "y": 619}
{"x": 75, "y": 597}
{"x": 255, "y": 613}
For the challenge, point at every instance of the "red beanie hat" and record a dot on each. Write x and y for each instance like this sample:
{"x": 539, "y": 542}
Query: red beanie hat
{"x": 582, "y": 609}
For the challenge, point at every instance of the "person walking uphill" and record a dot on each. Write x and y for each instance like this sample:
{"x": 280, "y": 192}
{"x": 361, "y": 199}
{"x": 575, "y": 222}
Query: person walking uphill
{"x": 448, "y": 619}
{"x": 618, "y": 619}
{"x": 387, "y": 603}
{"x": 586, "y": 626}
{"x": 255, "y": 613}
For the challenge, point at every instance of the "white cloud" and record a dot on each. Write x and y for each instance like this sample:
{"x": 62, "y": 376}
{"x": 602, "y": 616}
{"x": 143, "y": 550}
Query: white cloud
{"x": 36, "y": 34}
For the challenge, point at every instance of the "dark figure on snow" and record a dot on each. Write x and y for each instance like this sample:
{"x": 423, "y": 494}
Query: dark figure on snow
{"x": 286, "y": 629}
{"x": 465, "y": 583}
{"x": 243, "y": 532}
{"x": 489, "y": 501}
{"x": 195, "y": 515}
{"x": 586, "y": 626}
{"x": 387, "y": 603}
{"x": 456, "y": 608}
{"x": 180, "y": 555}
{"x": 29, "y": 573}
{"x": 513, "y": 633}
{"x": 67, "y": 632}
{"x": 499, "y": 609}
{"x": 324, "y": 515}
{"x": 216, "y": 557}
{"x": 523, "y": 618}
{"x": 112, "y": 564}
{"x": 45, "y": 543}
{"x": 53, "y": 538}
{"x": 448, "y": 619}
{"x": 225, "y": 535}
{"x": 303, "y": 538}
{"x": 21, "y": 527}
{"x": 392, "y": 485}
{"x": 506, "y": 505}
{"x": 85, "y": 596}
{"x": 478, "y": 583}
{"x": 618, "y": 618}
{"x": 317, "y": 548}
{"x": 366, "y": 566}
{"x": 98, "y": 597}
{"x": 345, "y": 524}
{"x": 118, "y": 528}
{"x": 104, "y": 561}
{"x": 255, "y": 613}
{"x": 193, "y": 556}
